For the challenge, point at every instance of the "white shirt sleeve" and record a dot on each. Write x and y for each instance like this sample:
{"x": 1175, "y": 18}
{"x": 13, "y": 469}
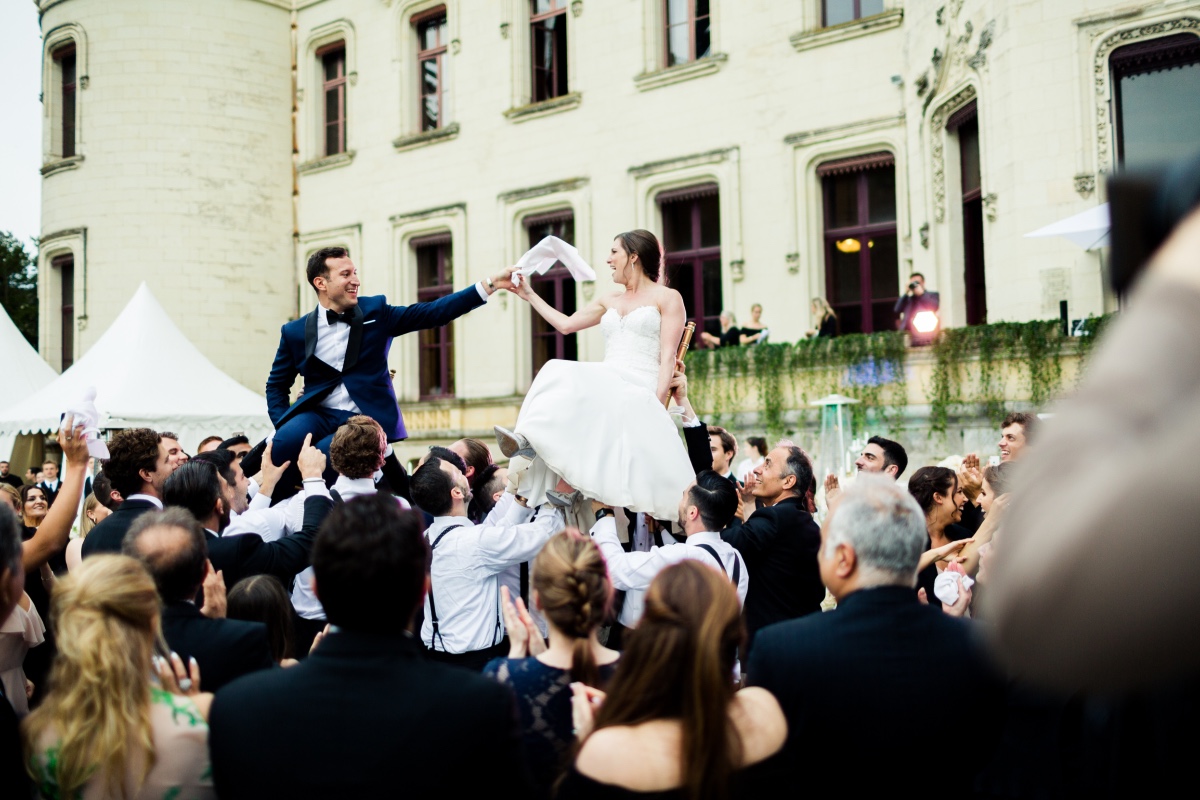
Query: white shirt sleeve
{"x": 258, "y": 502}
{"x": 502, "y": 507}
{"x": 631, "y": 571}
{"x": 516, "y": 539}
{"x": 479, "y": 287}
{"x": 269, "y": 523}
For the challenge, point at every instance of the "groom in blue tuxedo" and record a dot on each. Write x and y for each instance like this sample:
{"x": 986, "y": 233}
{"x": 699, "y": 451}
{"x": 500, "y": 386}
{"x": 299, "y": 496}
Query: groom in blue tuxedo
{"x": 341, "y": 350}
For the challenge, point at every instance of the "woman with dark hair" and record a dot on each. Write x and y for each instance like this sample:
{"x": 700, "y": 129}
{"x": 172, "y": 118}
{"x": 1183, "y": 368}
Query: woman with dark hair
{"x": 674, "y": 703}
{"x": 938, "y": 494}
{"x": 261, "y": 598}
{"x": 572, "y": 590}
{"x": 613, "y": 412}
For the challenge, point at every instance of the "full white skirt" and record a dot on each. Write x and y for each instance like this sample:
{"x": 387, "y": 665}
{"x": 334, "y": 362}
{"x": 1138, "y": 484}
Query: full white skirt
{"x": 606, "y": 436}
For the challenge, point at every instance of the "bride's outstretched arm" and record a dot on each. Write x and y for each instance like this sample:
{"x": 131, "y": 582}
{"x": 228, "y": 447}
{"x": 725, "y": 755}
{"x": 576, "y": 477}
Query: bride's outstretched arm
{"x": 585, "y": 317}
{"x": 674, "y": 316}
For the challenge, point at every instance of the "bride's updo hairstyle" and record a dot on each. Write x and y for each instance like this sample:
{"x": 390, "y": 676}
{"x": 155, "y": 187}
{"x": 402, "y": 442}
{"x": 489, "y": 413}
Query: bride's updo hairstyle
{"x": 648, "y": 250}
{"x": 572, "y": 583}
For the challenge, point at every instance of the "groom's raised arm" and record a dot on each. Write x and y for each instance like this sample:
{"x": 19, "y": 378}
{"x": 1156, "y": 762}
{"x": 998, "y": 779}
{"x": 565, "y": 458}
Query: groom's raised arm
{"x": 434, "y": 313}
{"x": 279, "y": 382}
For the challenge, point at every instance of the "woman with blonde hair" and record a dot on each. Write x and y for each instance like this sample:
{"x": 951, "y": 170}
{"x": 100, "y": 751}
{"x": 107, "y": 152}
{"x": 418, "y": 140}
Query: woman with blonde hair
{"x": 93, "y": 512}
{"x": 571, "y": 589}
{"x": 673, "y": 703}
{"x": 10, "y": 496}
{"x": 826, "y": 319}
{"x": 105, "y": 729}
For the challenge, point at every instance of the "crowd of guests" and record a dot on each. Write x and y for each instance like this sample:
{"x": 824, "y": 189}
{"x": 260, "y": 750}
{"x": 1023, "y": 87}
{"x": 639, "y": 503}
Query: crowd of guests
{"x": 208, "y": 633}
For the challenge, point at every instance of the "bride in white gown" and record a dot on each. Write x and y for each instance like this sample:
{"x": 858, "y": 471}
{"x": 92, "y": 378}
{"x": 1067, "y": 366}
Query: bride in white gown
{"x": 604, "y": 427}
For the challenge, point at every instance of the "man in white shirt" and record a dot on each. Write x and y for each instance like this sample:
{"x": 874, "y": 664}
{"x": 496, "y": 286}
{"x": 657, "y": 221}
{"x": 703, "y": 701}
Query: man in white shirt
{"x": 50, "y": 484}
{"x": 705, "y": 508}
{"x": 462, "y": 622}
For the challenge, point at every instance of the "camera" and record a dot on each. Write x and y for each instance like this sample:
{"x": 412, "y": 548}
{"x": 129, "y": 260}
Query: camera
{"x": 913, "y": 286}
{"x": 1144, "y": 207}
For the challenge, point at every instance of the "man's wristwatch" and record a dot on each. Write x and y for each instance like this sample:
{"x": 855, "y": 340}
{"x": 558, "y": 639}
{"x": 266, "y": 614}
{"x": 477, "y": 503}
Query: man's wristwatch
{"x": 601, "y": 513}
{"x": 491, "y": 286}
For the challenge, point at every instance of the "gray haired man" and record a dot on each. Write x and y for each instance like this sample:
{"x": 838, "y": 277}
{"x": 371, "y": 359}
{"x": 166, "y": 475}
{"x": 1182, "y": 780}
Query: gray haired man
{"x": 875, "y": 673}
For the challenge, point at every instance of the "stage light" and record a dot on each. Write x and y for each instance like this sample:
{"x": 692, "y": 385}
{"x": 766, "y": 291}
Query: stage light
{"x": 925, "y": 322}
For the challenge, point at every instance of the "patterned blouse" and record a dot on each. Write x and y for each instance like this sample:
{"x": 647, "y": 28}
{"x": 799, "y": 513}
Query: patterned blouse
{"x": 181, "y": 769}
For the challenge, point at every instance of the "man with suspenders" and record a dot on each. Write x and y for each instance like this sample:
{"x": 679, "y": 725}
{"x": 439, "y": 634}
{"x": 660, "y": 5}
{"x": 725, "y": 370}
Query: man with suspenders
{"x": 706, "y": 507}
{"x": 462, "y": 622}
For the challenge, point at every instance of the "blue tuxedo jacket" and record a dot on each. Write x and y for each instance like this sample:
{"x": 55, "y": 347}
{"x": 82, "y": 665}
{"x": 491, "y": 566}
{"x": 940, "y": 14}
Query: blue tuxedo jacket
{"x": 365, "y": 371}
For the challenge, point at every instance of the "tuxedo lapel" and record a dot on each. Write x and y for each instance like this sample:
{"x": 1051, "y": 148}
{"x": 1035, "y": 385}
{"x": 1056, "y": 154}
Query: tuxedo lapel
{"x": 310, "y": 333}
{"x": 355, "y": 343}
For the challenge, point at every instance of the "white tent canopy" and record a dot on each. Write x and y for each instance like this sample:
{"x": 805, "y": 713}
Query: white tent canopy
{"x": 1088, "y": 229}
{"x": 24, "y": 373}
{"x": 146, "y": 374}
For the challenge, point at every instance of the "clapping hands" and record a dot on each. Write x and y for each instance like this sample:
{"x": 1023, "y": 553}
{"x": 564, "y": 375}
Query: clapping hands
{"x": 524, "y": 638}
{"x": 970, "y": 478}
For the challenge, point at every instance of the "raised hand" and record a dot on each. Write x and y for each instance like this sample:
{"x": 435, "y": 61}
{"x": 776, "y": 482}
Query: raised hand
{"x": 311, "y": 460}
{"x": 833, "y": 490}
{"x": 504, "y": 280}
{"x": 214, "y": 593}
{"x": 518, "y": 634}
{"x": 73, "y": 443}
{"x": 969, "y": 477}
{"x": 271, "y": 473}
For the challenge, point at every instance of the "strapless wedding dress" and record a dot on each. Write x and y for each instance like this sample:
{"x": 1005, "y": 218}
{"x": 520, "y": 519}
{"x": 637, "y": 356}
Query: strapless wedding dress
{"x": 601, "y": 427}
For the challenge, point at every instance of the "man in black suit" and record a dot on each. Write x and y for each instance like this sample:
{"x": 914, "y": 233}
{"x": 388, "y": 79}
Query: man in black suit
{"x": 50, "y": 484}
{"x": 366, "y": 715}
{"x": 779, "y": 541}
{"x": 877, "y": 673}
{"x": 138, "y": 466}
{"x": 8, "y": 477}
{"x": 198, "y": 487}
{"x": 171, "y": 545}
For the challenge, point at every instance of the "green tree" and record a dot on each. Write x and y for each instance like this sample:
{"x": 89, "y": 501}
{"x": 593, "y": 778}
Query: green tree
{"x": 18, "y": 285}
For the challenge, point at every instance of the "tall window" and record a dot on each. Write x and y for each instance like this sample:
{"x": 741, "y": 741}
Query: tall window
{"x": 431, "y": 66}
{"x": 66, "y": 279}
{"x": 333, "y": 72}
{"x": 861, "y": 260}
{"x": 689, "y": 34}
{"x": 65, "y": 57}
{"x": 966, "y": 123}
{"x": 692, "y": 240}
{"x": 549, "y": 37}
{"x": 434, "y": 280}
{"x": 1157, "y": 99}
{"x": 836, "y": 12}
{"x": 556, "y": 287}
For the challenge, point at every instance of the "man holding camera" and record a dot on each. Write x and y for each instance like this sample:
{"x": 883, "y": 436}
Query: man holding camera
{"x": 916, "y": 300}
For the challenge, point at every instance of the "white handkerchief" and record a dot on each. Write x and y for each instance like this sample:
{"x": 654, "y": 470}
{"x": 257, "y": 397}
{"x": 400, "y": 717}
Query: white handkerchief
{"x": 84, "y": 413}
{"x": 945, "y": 586}
{"x": 541, "y": 257}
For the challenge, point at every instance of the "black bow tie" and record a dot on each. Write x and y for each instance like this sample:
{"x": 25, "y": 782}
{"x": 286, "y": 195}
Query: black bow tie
{"x": 334, "y": 317}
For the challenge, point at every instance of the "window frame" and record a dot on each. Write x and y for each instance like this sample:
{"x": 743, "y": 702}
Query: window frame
{"x": 68, "y": 96}
{"x": 858, "y": 15}
{"x": 443, "y": 345}
{"x": 1145, "y": 58}
{"x": 692, "y": 24}
{"x": 558, "y": 8}
{"x": 562, "y": 282}
{"x": 341, "y": 84}
{"x": 65, "y": 265}
{"x": 974, "y": 256}
{"x": 863, "y": 228}
{"x": 697, "y": 254}
{"x": 438, "y": 54}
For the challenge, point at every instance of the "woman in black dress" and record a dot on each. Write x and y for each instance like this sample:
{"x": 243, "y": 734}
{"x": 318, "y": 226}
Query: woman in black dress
{"x": 673, "y": 724}
{"x": 572, "y": 591}
{"x": 825, "y": 318}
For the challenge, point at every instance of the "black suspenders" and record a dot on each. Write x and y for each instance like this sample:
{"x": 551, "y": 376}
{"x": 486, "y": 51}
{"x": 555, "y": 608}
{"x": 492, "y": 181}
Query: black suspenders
{"x": 432, "y": 608}
{"x": 712, "y": 551}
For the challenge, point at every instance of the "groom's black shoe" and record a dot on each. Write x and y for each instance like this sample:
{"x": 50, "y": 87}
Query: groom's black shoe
{"x": 252, "y": 461}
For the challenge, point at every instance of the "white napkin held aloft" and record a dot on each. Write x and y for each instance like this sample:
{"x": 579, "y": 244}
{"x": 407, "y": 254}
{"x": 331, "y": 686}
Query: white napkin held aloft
{"x": 945, "y": 586}
{"x": 543, "y": 255}
{"x": 85, "y": 413}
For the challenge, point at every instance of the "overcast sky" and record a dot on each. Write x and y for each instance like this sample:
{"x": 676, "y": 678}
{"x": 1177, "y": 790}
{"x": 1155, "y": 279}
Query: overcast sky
{"x": 21, "y": 135}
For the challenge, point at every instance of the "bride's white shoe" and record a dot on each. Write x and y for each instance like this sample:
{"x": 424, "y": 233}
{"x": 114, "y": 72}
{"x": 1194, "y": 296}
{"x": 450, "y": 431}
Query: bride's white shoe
{"x": 513, "y": 444}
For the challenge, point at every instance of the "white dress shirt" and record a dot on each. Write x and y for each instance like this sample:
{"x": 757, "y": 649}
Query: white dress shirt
{"x": 633, "y": 572}
{"x": 304, "y": 600}
{"x": 465, "y": 571}
{"x": 332, "y": 341}
{"x": 511, "y": 577}
{"x": 268, "y": 521}
{"x": 148, "y": 498}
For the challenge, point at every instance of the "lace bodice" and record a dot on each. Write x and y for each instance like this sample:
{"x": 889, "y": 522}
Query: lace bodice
{"x": 631, "y": 344}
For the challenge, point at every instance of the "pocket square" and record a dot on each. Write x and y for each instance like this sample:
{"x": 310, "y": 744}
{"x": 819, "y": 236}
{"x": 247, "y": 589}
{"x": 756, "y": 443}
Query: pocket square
{"x": 370, "y": 322}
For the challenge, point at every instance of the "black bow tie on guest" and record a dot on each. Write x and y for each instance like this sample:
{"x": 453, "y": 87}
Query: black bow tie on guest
{"x": 334, "y": 317}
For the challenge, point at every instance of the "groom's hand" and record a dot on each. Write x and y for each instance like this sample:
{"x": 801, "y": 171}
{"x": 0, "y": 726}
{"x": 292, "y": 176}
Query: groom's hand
{"x": 504, "y": 280}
